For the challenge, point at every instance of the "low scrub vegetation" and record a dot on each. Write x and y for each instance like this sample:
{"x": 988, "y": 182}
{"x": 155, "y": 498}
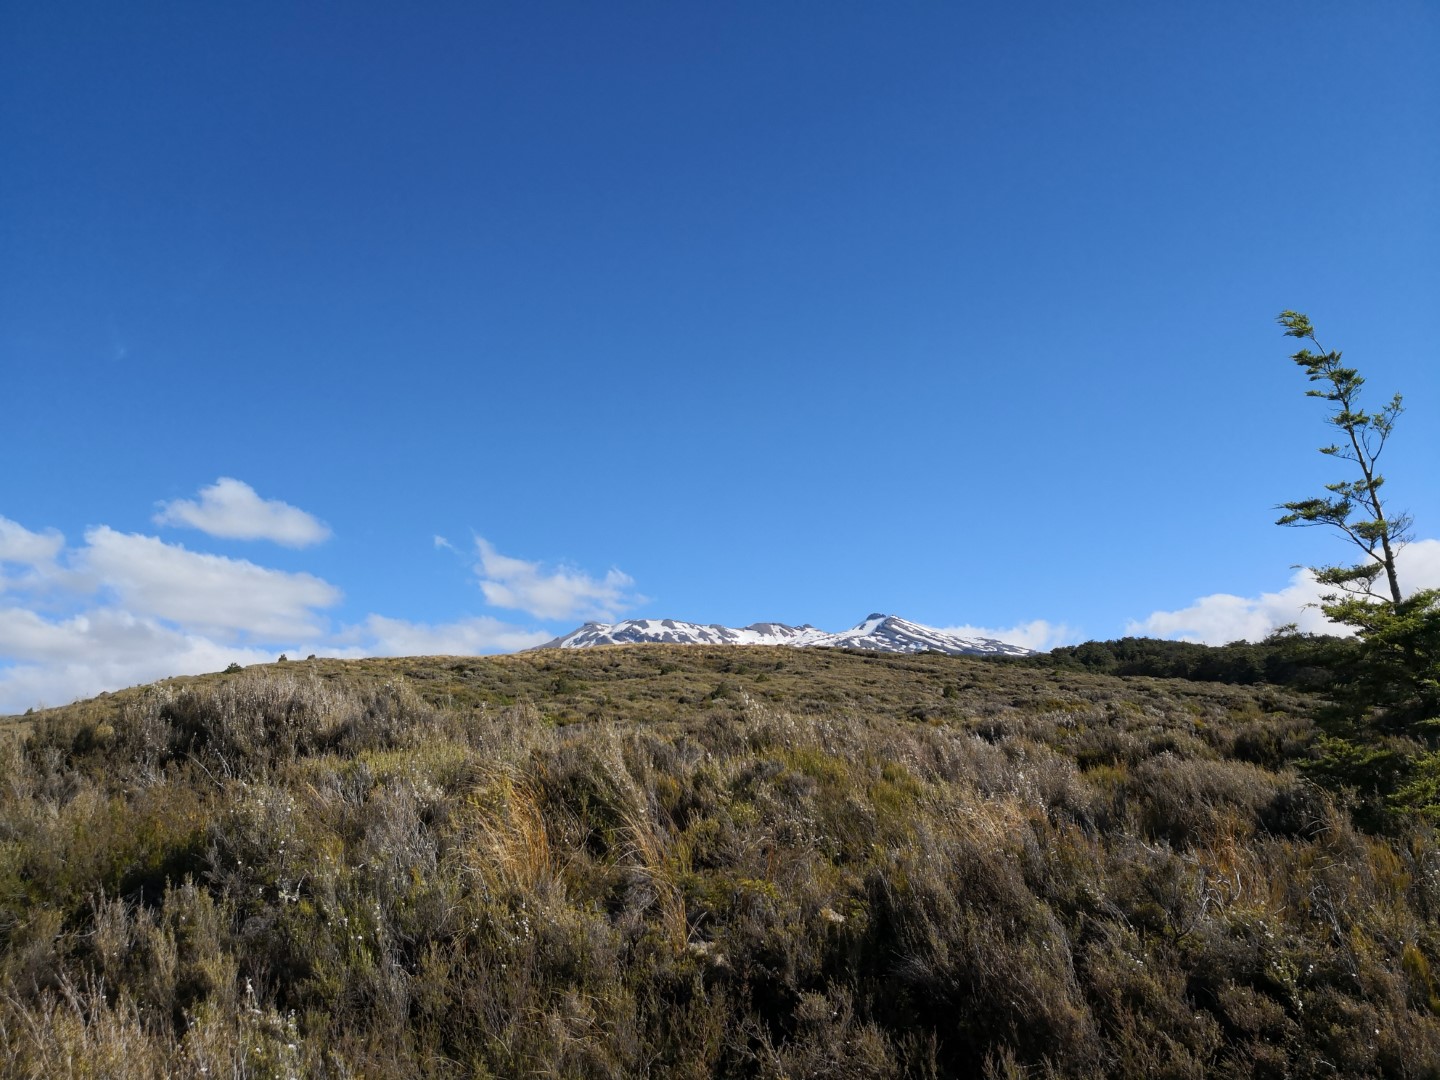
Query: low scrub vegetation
{"x": 690, "y": 862}
{"x": 1285, "y": 658}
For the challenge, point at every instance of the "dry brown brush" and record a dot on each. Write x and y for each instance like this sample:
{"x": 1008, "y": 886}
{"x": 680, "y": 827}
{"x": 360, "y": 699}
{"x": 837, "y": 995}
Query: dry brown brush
{"x": 689, "y": 862}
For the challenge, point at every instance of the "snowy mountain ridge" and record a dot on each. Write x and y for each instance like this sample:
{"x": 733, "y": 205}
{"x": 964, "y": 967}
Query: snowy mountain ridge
{"x": 877, "y": 633}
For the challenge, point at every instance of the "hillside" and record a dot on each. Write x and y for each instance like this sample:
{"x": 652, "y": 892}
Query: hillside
{"x": 690, "y": 861}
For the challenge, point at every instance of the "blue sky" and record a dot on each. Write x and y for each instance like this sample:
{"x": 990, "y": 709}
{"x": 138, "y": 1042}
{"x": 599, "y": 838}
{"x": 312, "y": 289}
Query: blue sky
{"x": 354, "y": 329}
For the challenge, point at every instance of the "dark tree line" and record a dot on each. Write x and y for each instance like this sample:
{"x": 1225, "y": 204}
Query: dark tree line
{"x": 1303, "y": 661}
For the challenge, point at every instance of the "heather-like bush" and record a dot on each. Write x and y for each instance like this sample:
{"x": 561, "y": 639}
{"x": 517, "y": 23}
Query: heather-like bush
{"x": 597, "y": 866}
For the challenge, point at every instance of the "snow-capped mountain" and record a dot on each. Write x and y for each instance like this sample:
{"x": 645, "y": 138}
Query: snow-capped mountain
{"x": 675, "y": 632}
{"x": 890, "y": 633}
{"x": 878, "y": 633}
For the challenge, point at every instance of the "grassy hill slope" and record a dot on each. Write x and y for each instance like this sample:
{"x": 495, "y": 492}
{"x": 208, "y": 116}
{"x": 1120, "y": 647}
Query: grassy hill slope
{"x": 680, "y": 861}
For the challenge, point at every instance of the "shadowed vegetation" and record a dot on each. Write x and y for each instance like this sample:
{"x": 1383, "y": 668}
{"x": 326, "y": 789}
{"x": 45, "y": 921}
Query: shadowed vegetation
{"x": 681, "y": 861}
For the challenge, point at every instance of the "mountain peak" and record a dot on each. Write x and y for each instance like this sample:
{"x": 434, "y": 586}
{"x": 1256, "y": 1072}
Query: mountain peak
{"x": 877, "y": 632}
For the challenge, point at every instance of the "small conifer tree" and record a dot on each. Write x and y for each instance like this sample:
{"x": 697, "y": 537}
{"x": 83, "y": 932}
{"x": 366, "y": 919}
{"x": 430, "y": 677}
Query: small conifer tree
{"x": 1354, "y": 507}
{"x": 1393, "y": 687}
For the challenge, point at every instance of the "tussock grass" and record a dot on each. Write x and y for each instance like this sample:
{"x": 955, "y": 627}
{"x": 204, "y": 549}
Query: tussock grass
{"x": 664, "y": 861}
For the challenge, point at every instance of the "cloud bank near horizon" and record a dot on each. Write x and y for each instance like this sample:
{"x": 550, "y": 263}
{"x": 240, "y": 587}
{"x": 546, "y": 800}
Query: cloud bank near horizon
{"x": 1038, "y": 634}
{"x": 560, "y": 593}
{"x": 121, "y": 608}
{"x": 1223, "y": 617}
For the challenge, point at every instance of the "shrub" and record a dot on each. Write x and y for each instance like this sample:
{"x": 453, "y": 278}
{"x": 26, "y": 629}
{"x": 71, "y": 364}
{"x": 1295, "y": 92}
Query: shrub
{"x": 400, "y": 868}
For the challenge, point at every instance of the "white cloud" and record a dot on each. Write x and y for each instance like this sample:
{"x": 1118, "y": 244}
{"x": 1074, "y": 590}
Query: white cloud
{"x": 209, "y": 593}
{"x": 31, "y": 550}
{"x": 1418, "y": 565}
{"x": 58, "y": 661}
{"x": 28, "y": 560}
{"x": 128, "y": 609}
{"x": 231, "y": 509}
{"x": 1038, "y": 634}
{"x": 562, "y": 593}
{"x": 1222, "y": 617}
{"x": 122, "y": 609}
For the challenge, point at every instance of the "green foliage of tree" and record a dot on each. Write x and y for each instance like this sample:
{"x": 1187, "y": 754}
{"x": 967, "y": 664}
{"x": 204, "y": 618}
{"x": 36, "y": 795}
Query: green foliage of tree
{"x": 1384, "y": 730}
{"x": 1354, "y": 507}
{"x": 1420, "y": 791}
{"x": 1397, "y": 677}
